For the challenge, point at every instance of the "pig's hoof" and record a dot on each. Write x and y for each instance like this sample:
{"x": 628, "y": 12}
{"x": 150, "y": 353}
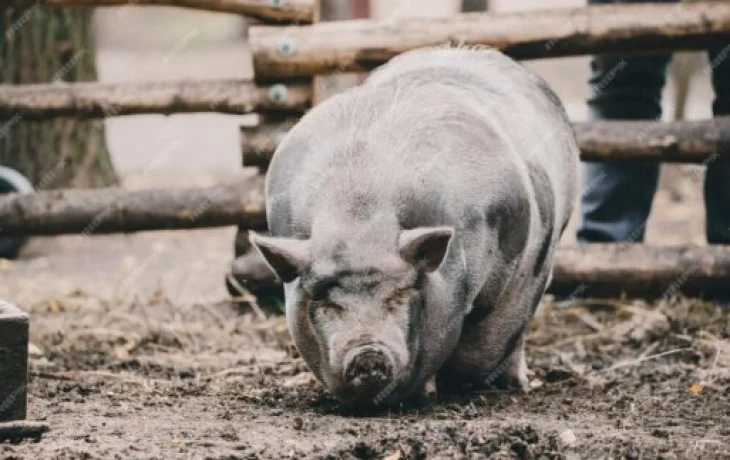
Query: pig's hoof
{"x": 518, "y": 383}
{"x": 515, "y": 375}
{"x": 430, "y": 390}
{"x": 427, "y": 395}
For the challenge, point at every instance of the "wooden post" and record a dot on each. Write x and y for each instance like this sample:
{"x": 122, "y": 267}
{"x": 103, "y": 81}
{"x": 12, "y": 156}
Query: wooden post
{"x": 13, "y": 362}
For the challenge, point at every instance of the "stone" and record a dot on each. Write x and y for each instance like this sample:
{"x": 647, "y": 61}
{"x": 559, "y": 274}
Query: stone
{"x": 13, "y": 362}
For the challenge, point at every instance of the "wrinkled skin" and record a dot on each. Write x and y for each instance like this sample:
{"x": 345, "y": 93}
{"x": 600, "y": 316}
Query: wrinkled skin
{"x": 414, "y": 221}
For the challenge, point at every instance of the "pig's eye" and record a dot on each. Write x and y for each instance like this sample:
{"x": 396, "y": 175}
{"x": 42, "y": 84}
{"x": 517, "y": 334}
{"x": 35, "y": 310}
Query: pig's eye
{"x": 328, "y": 309}
{"x": 399, "y": 298}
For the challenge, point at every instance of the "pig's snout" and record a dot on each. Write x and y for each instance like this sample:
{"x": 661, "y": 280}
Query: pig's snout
{"x": 368, "y": 369}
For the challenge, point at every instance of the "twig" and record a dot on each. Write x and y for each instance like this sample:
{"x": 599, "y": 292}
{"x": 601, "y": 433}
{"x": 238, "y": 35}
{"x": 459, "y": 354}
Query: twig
{"x": 78, "y": 375}
{"x": 245, "y": 371}
{"x": 246, "y": 296}
{"x": 638, "y": 361}
{"x": 649, "y": 350}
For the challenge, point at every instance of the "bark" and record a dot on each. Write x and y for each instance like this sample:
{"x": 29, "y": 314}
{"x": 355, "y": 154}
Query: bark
{"x": 90, "y": 100}
{"x": 675, "y": 142}
{"x": 298, "y": 11}
{"x": 351, "y": 46}
{"x": 111, "y": 210}
{"x": 38, "y": 46}
{"x": 597, "y": 270}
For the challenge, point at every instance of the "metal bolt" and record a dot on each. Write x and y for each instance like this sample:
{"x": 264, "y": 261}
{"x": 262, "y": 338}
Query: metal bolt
{"x": 278, "y": 93}
{"x": 286, "y": 47}
{"x": 278, "y": 3}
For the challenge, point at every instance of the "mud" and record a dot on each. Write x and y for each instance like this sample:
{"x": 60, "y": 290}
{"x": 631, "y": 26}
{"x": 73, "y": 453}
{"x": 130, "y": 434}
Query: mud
{"x": 154, "y": 379}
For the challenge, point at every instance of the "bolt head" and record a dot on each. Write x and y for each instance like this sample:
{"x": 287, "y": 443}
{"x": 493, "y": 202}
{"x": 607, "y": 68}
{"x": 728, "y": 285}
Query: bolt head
{"x": 278, "y": 93}
{"x": 286, "y": 47}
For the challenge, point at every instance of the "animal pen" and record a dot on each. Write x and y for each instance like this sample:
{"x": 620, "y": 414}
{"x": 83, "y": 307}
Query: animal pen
{"x": 287, "y": 59}
{"x": 291, "y": 49}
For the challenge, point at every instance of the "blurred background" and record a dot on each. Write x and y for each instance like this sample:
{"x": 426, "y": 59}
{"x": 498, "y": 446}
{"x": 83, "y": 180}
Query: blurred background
{"x": 147, "y": 43}
{"x": 143, "y": 43}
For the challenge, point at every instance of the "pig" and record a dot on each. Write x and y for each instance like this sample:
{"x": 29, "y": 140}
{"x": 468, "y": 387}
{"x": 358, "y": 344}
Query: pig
{"x": 414, "y": 221}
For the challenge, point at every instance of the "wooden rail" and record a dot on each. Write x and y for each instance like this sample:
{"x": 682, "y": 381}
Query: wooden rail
{"x": 595, "y": 270}
{"x": 640, "y": 270}
{"x": 272, "y": 11}
{"x": 676, "y": 142}
{"x": 351, "y": 46}
{"x": 92, "y": 100}
{"x": 112, "y": 210}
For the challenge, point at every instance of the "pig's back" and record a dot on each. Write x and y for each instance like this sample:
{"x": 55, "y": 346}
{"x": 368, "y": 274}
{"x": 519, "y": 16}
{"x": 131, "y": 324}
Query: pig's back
{"x": 432, "y": 136}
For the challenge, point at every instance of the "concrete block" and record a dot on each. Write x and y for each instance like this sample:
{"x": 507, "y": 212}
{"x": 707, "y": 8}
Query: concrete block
{"x": 13, "y": 362}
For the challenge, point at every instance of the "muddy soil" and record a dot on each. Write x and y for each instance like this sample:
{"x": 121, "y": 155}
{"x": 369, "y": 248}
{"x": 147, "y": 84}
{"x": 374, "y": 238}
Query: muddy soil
{"x": 154, "y": 379}
{"x": 137, "y": 353}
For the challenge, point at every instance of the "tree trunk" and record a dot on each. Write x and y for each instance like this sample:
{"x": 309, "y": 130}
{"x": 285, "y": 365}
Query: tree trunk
{"x": 41, "y": 46}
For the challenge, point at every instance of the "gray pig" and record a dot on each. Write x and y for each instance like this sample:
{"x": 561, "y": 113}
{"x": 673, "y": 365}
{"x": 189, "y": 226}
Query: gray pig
{"x": 414, "y": 221}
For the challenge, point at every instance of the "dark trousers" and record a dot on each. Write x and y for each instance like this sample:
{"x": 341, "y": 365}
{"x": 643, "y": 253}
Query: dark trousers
{"x": 617, "y": 197}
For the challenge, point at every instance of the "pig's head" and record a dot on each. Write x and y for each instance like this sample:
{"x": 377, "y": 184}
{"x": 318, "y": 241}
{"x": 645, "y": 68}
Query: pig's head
{"x": 356, "y": 312}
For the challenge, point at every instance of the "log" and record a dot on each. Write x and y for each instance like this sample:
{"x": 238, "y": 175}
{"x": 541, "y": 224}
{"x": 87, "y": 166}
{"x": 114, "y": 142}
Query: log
{"x": 270, "y": 11}
{"x": 673, "y": 142}
{"x": 93, "y": 100}
{"x": 639, "y": 270}
{"x": 359, "y": 45}
{"x": 593, "y": 271}
{"x": 111, "y": 210}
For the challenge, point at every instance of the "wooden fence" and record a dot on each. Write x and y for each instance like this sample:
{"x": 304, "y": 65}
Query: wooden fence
{"x": 291, "y": 48}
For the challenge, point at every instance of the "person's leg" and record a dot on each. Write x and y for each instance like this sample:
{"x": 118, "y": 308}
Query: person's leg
{"x": 717, "y": 176}
{"x": 617, "y": 197}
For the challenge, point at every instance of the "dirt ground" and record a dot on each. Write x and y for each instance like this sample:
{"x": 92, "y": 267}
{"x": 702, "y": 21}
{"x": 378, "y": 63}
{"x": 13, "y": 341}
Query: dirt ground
{"x": 154, "y": 379}
{"x": 138, "y": 352}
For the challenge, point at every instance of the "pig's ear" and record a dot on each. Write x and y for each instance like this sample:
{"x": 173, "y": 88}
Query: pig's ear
{"x": 286, "y": 256}
{"x": 425, "y": 247}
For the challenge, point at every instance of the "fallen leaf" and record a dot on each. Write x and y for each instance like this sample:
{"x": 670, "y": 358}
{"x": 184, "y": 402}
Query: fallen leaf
{"x": 55, "y": 306}
{"x": 568, "y": 438}
{"x": 397, "y": 455}
{"x": 696, "y": 388}
{"x": 121, "y": 353}
{"x": 34, "y": 351}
